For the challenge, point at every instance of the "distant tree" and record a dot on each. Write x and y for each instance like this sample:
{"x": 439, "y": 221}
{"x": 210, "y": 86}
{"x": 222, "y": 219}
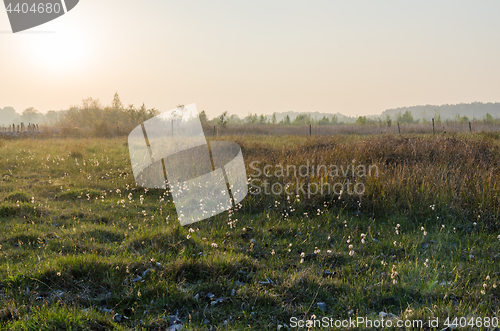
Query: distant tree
{"x": 273, "y": 119}
{"x": 407, "y": 117}
{"x": 488, "y": 119}
{"x": 334, "y": 119}
{"x": 286, "y": 120}
{"x": 51, "y": 117}
{"x": 222, "y": 121}
{"x": 262, "y": 119}
{"x": 251, "y": 118}
{"x": 8, "y": 115}
{"x": 116, "y": 104}
{"x": 437, "y": 117}
{"x": 324, "y": 121}
{"x": 361, "y": 120}
{"x": 462, "y": 120}
{"x": 234, "y": 119}
{"x": 302, "y": 119}
{"x": 203, "y": 117}
{"x": 30, "y": 115}
{"x": 388, "y": 120}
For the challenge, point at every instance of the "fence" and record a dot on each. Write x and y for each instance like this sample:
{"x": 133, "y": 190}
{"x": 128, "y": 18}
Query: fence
{"x": 19, "y": 130}
{"x": 346, "y": 129}
{"x": 32, "y": 130}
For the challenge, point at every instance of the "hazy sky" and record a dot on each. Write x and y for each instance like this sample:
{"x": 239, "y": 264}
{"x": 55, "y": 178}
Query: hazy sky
{"x": 353, "y": 57}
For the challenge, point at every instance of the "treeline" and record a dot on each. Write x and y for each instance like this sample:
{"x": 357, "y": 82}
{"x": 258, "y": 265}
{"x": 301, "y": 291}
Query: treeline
{"x": 306, "y": 119}
{"x": 8, "y": 116}
{"x": 91, "y": 118}
{"x": 471, "y": 110}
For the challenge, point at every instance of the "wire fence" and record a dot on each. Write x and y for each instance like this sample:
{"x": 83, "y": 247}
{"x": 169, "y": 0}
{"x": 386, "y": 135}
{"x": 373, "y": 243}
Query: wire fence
{"x": 347, "y": 129}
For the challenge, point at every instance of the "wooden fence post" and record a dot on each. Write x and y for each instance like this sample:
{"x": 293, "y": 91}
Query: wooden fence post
{"x": 399, "y": 129}
{"x": 470, "y": 127}
{"x": 310, "y": 129}
{"x": 433, "y": 132}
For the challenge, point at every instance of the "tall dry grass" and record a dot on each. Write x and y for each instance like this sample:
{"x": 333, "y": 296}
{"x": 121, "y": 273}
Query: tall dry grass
{"x": 455, "y": 176}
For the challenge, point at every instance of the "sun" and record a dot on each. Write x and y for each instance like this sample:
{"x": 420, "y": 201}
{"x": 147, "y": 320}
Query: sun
{"x": 58, "y": 51}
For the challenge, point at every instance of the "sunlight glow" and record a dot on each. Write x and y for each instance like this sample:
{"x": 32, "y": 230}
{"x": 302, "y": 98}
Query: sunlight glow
{"x": 57, "y": 52}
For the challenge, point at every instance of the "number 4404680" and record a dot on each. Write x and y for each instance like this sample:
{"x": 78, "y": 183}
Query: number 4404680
{"x": 40, "y": 8}
{"x": 474, "y": 322}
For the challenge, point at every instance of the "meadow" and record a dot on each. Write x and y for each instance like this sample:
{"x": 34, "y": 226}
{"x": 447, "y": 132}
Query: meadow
{"x": 83, "y": 248}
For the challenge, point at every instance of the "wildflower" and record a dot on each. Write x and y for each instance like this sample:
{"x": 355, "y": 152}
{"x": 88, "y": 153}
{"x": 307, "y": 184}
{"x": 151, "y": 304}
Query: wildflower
{"x": 494, "y": 285}
{"x": 426, "y": 263}
{"x": 188, "y": 236}
{"x": 214, "y": 245}
{"x": 488, "y": 277}
{"x": 302, "y": 254}
{"x": 273, "y": 252}
{"x": 351, "y": 253}
{"x": 363, "y": 241}
{"x": 483, "y": 292}
{"x": 351, "y": 247}
{"x": 394, "y": 275}
{"x": 395, "y": 243}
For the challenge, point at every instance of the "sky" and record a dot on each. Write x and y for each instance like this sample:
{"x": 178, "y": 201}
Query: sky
{"x": 353, "y": 57}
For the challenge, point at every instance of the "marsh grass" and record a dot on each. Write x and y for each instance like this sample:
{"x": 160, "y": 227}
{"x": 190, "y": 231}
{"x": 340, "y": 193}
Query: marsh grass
{"x": 91, "y": 244}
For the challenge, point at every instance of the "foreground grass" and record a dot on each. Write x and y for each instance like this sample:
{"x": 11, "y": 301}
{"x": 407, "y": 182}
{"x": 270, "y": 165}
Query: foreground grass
{"x": 81, "y": 243}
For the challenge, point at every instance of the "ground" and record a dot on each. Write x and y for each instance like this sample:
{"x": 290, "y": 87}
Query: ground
{"x": 83, "y": 248}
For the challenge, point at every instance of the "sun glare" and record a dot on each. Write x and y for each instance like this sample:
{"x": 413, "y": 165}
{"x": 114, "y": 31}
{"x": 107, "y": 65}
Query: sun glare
{"x": 57, "y": 52}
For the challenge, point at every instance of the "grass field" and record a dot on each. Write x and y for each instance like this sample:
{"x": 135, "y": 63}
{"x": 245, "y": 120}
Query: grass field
{"x": 83, "y": 248}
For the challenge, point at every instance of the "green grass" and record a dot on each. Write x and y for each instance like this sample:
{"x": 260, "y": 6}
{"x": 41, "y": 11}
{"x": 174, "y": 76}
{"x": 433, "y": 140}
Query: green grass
{"x": 76, "y": 233}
